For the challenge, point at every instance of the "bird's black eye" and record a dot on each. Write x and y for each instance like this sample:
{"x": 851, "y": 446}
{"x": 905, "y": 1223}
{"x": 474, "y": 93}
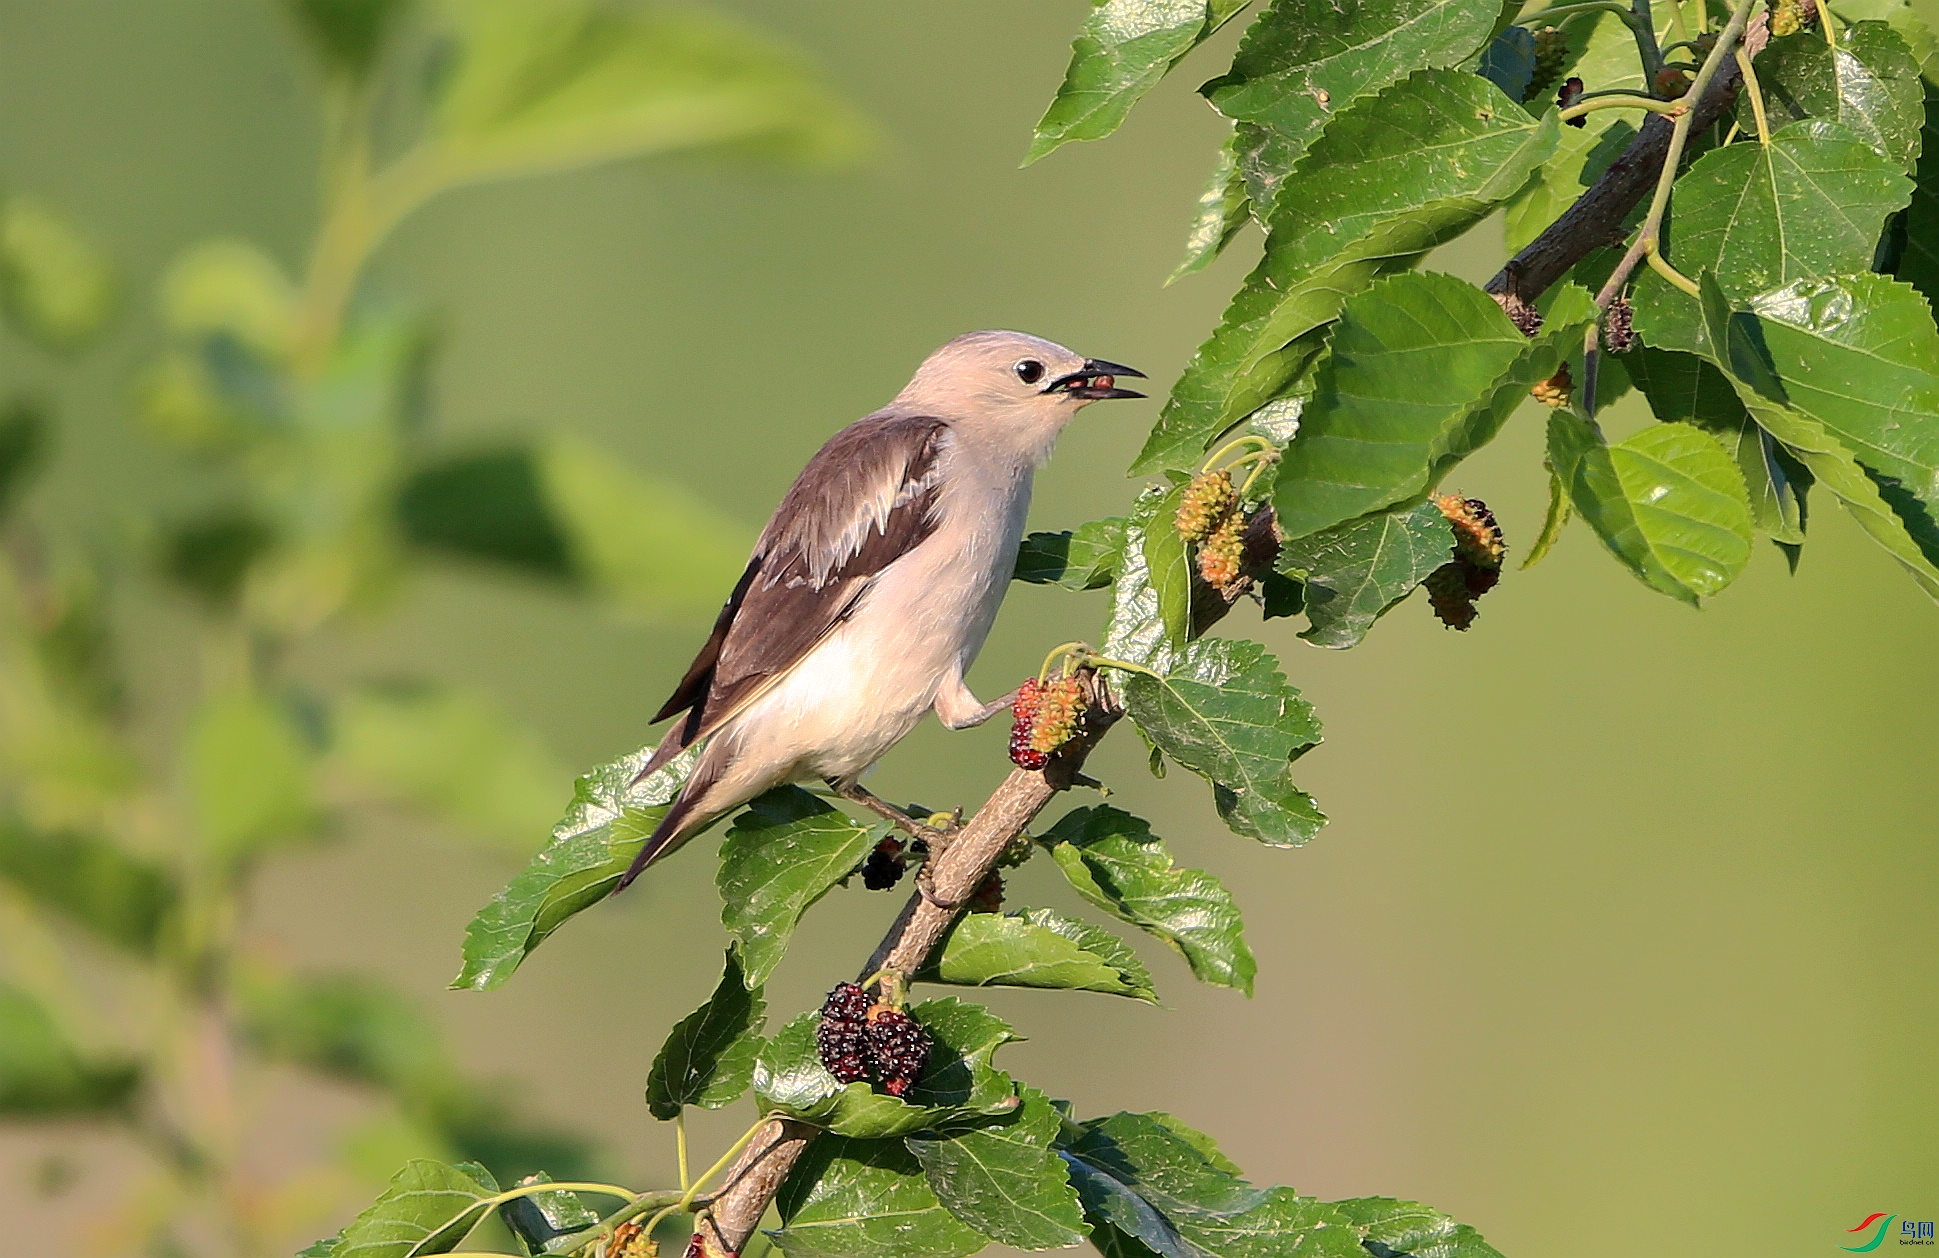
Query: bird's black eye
{"x": 1029, "y": 371}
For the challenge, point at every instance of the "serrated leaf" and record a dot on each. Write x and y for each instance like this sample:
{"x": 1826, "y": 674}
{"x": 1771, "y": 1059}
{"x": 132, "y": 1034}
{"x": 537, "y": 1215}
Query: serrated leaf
{"x": 1356, "y": 572}
{"x": 1125, "y": 48}
{"x": 1004, "y": 1179}
{"x": 427, "y": 1209}
{"x": 93, "y": 883}
{"x": 1113, "y": 860}
{"x": 1133, "y": 631}
{"x": 1082, "y": 559}
{"x": 1667, "y": 502}
{"x": 1223, "y": 710}
{"x": 1407, "y": 1227}
{"x": 708, "y": 1060}
{"x": 1138, "y": 1173}
{"x": 1554, "y": 520}
{"x": 1918, "y": 263}
{"x": 1221, "y": 211}
{"x": 1812, "y": 202}
{"x": 1386, "y": 181}
{"x": 56, "y": 286}
{"x": 1036, "y": 948}
{"x": 42, "y": 1072}
{"x": 781, "y": 855}
{"x": 1424, "y": 370}
{"x": 866, "y": 1199}
{"x": 1168, "y": 567}
{"x": 1284, "y": 1223}
{"x": 608, "y": 822}
{"x": 1870, "y": 84}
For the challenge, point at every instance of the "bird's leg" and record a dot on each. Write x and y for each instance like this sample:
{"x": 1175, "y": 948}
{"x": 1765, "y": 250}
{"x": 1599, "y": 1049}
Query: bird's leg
{"x": 958, "y": 708}
{"x": 856, "y": 793}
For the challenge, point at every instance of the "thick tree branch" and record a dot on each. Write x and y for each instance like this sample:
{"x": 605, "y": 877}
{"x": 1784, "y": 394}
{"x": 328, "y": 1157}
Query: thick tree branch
{"x": 1596, "y": 219}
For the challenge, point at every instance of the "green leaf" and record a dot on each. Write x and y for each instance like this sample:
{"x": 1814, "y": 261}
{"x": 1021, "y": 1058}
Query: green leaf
{"x": 249, "y": 775}
{"x": 1667, "y": 502}
{"x": 490, "y": 506}
{"x": 1221, "y": 211}
{"x": 451, "y": 753}
{"x": 93, "y": 883}
{"x": 1004, "y": 1179}
{"x": 55, "y": 286}
{"x": 541, "y": 1216}
{"x": 428, "y": 1209}
{"x": 546, "y": 85}
{"x": 780, "y": 856}
{"x": 24, "y": 424}
{"x": 708, "y": 1060}
{"x": 1084, "y": 559}
{"x": 1036, "y": 948}
{"x": 42, "y": 1073}
{"x": 1386, "y": 181}
{"x": 1918, "y": 264}
{"x": 866, "y": 1199}
{"x": 348, "y": 1026}
{"x": 1223, "y": 710}
{"x": 1303, "y": 62}
{"x": 1125, "y": 48}
{"x": 608, "y": 822}
{"x": 959, "y": 1083}
{"x": 1870, "y": 84}
{"x": 1554, "y": 520}
{"x": 1114, "y": 860}
{"x": 1407, "y": 1227}
{"x": 349, "y": 33}
{"x": 1139, "y": 1172}
{"x": 1355, "y": 572}
{"x": 1284, "y": 1223}
{"x": 1424, "y": 370}
{"x": 1134, "y": 631}
{"x": 1168, "y": 567}
{"x": 1812, "y": 202}
{"x": 1509, "y": 62}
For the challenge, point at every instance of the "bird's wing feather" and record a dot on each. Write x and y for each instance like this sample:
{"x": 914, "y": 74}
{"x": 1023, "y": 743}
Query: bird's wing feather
{"x": 867, "y": 498}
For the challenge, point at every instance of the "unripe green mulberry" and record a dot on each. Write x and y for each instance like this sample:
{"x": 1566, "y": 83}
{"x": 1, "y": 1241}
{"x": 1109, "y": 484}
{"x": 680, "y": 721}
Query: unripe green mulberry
{"x": 1787, "y": 16}
{"x": 1221, "y": 558}
{"x": 1208, "y": 500}
{"x": 1551, "y": 51}
{"x": 1059, "y": 704}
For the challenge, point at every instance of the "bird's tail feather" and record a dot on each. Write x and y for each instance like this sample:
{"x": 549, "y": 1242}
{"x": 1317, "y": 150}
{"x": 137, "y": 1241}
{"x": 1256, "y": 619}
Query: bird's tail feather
{"x": 683, "y": 820}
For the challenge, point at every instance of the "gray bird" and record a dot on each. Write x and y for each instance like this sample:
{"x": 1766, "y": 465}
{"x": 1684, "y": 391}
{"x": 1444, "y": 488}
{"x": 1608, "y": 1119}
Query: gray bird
{"x": 873, "y": 586}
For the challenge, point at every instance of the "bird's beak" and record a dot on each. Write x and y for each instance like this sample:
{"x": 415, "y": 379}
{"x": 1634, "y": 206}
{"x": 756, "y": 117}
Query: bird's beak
{"x": 1096, "y": 381}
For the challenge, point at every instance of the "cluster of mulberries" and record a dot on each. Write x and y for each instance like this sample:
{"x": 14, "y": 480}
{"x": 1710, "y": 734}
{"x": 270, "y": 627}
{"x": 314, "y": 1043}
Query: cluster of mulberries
{"x": 1555, "y": 391}
{"x": 885, "y": 865}
{"x": 1789, "y": 16}
{"x": 1211, "y": 517}
{"x": 1619, "y": 327}
{"x": 1479, "y": 548}
{"x": 1222, "y": 556}
{"x": 1044, "y": 718}
{"x": 898, "y": 1047}
{"x": 1571, "y": 93}
{"x": 988, "y": 896}
{"x": 1023, "y": 721}
{"x": 1551, "y": 50}
{"x": 842, "y": 1035}
{"x": 1208, "y": 501}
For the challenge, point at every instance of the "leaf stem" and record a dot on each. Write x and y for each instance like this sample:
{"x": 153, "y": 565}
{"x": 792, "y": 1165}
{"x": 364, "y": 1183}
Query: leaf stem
{"x": 1261, "y": 445}
{"x": 693, "y": 1190}
{"x": 1066, "y": 650}
{"x": 680, "y": 1148}
{"x": 1756, "y": 96}
{"x": 1547, "y": 16}
{"x": 1659, "y": 264}
{"x": 1105, "y": 661}
{"x": 1624, "y": 100}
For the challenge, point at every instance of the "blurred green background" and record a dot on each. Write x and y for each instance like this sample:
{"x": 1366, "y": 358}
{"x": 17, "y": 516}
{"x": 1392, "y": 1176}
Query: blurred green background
{"x": 1625, "y": 934}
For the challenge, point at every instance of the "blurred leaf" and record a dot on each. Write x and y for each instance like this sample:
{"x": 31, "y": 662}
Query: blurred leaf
{"x": 1355, "y": 572}
{"x": 211, "y": 555}
{"x": 42, "y": 1074}
{"x": 1386, "y": 181}
{"x": 428, "y": 1209}
{"x": 1810, "y": 203}
{"x": 451, "y": 752}
{"x": 1114, "y": 860}
{"x": 349, "y": 33}
{"x": 249, "y": 776}
{"x": 1667, "y": 502}
{"x": 484, "y": 1128}
{"x": 1036, "y": 948}
{"x": 708, "y": 1060}
{"x": 1407, "y": 1227}
{"x": 1221, "y": 211}
{"x": 866, "y": 1199}
{"x": 1223, "y": 710}
{"x": 489, "y": 505}
{"x": 1870, "y": 84}
{"x": 1125, "y": 48}
{"x": 1509, "y": 62}
{"x": 546, "y": 85}
{"x": 56, "y": 287}
{"x": 1168, "y": 567}
{"x": 959, "y": 1082}
{"x": 1918, "y": 265}
{"x": 655, "y": 548}
{"x": 23, "y": 448}
{"x": 1004, "y": 1179}
{"x": 1084, "y": 559}
{"x": 608, "y": 822}
{"x": 94, "y": 884}
{"x": 229, "y": 288}
{"x": 346, "y": 1025}
{"x": 781, "y": 855}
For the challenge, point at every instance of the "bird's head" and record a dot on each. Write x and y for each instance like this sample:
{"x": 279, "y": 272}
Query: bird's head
{"x": 1010, "y": 383}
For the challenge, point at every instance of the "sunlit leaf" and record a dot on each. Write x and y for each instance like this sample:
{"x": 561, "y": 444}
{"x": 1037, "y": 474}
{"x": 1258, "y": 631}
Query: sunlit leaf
{"x": 781, "y": 855}
{"x": 1004, "y": 1179}
{"x": 428, "y": 1209}
{"x": 1134, "y": 631}
{"x": 1036, "y": 948}
{"x": 1221, "y": 211}
{"x": 866, "y": 1199}
{"x": 56, "y": 286}
{"x": 1407, "y": 1227}
{"x": 1085, "y": 558}
{"x": 1354, "y": 573}
{"x": 708, "y": 1060}
{"x": 1870, "y": 84}
{"x": 1168, "y": 567}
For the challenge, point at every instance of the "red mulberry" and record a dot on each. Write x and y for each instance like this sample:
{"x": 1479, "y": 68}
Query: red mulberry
{"x": 842, "y": 1038}
{"x": 1023, "y": 713}
{"x": 898, "y": 1048}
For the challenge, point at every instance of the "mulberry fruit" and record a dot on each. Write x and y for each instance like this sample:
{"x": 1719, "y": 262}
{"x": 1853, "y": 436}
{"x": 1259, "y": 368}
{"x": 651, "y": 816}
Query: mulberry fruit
{"x": 1208, "y": 501}
{"x": 885, "y": 866}
{"x": 842, "y": 1037}
{"x": 1453, "y": 588}
{"x": 1618, "y": 327}
{"x": 1551, "y": 50}
{"x": 1023, "y": 716}
{"x": 1571, "y": 93}
{"x": 1059, "y": 703}
{"x": 898, "y": 1048}
{"x": 1671, "y": 83}
{"x": 1479, "y": 548}
{"x": 1221, "y": 559}
{"x": 988, "y": 896}
{"x": 1787, "y": 17}
{"x": 630, "y": 1241}
{"x": 1477, "y": 535}
{"x": 1526, "y": 318}
{"x": 1555, "y": 391}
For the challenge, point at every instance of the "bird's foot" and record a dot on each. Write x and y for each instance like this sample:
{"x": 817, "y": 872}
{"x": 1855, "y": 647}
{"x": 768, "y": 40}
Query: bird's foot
{"x": 855, "y": 793}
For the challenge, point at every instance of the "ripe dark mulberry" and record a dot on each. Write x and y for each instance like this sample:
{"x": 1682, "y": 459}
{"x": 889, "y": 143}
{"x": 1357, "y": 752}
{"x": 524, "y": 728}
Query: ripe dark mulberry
{"x": 1208, "y": 500}
{"x": 988, "y": 896}
{"x": 842, "y": 1036}
{"x": 885, "y": 866}
{"x": 1023, "y": 713}
{"x": 898, "y": 1048}
{"x": 1571, "y": 93}
{"x": 1618, "y": 327}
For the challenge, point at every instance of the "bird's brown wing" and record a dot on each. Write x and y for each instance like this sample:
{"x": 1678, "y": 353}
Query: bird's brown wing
{"x": 867, "y": 498}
